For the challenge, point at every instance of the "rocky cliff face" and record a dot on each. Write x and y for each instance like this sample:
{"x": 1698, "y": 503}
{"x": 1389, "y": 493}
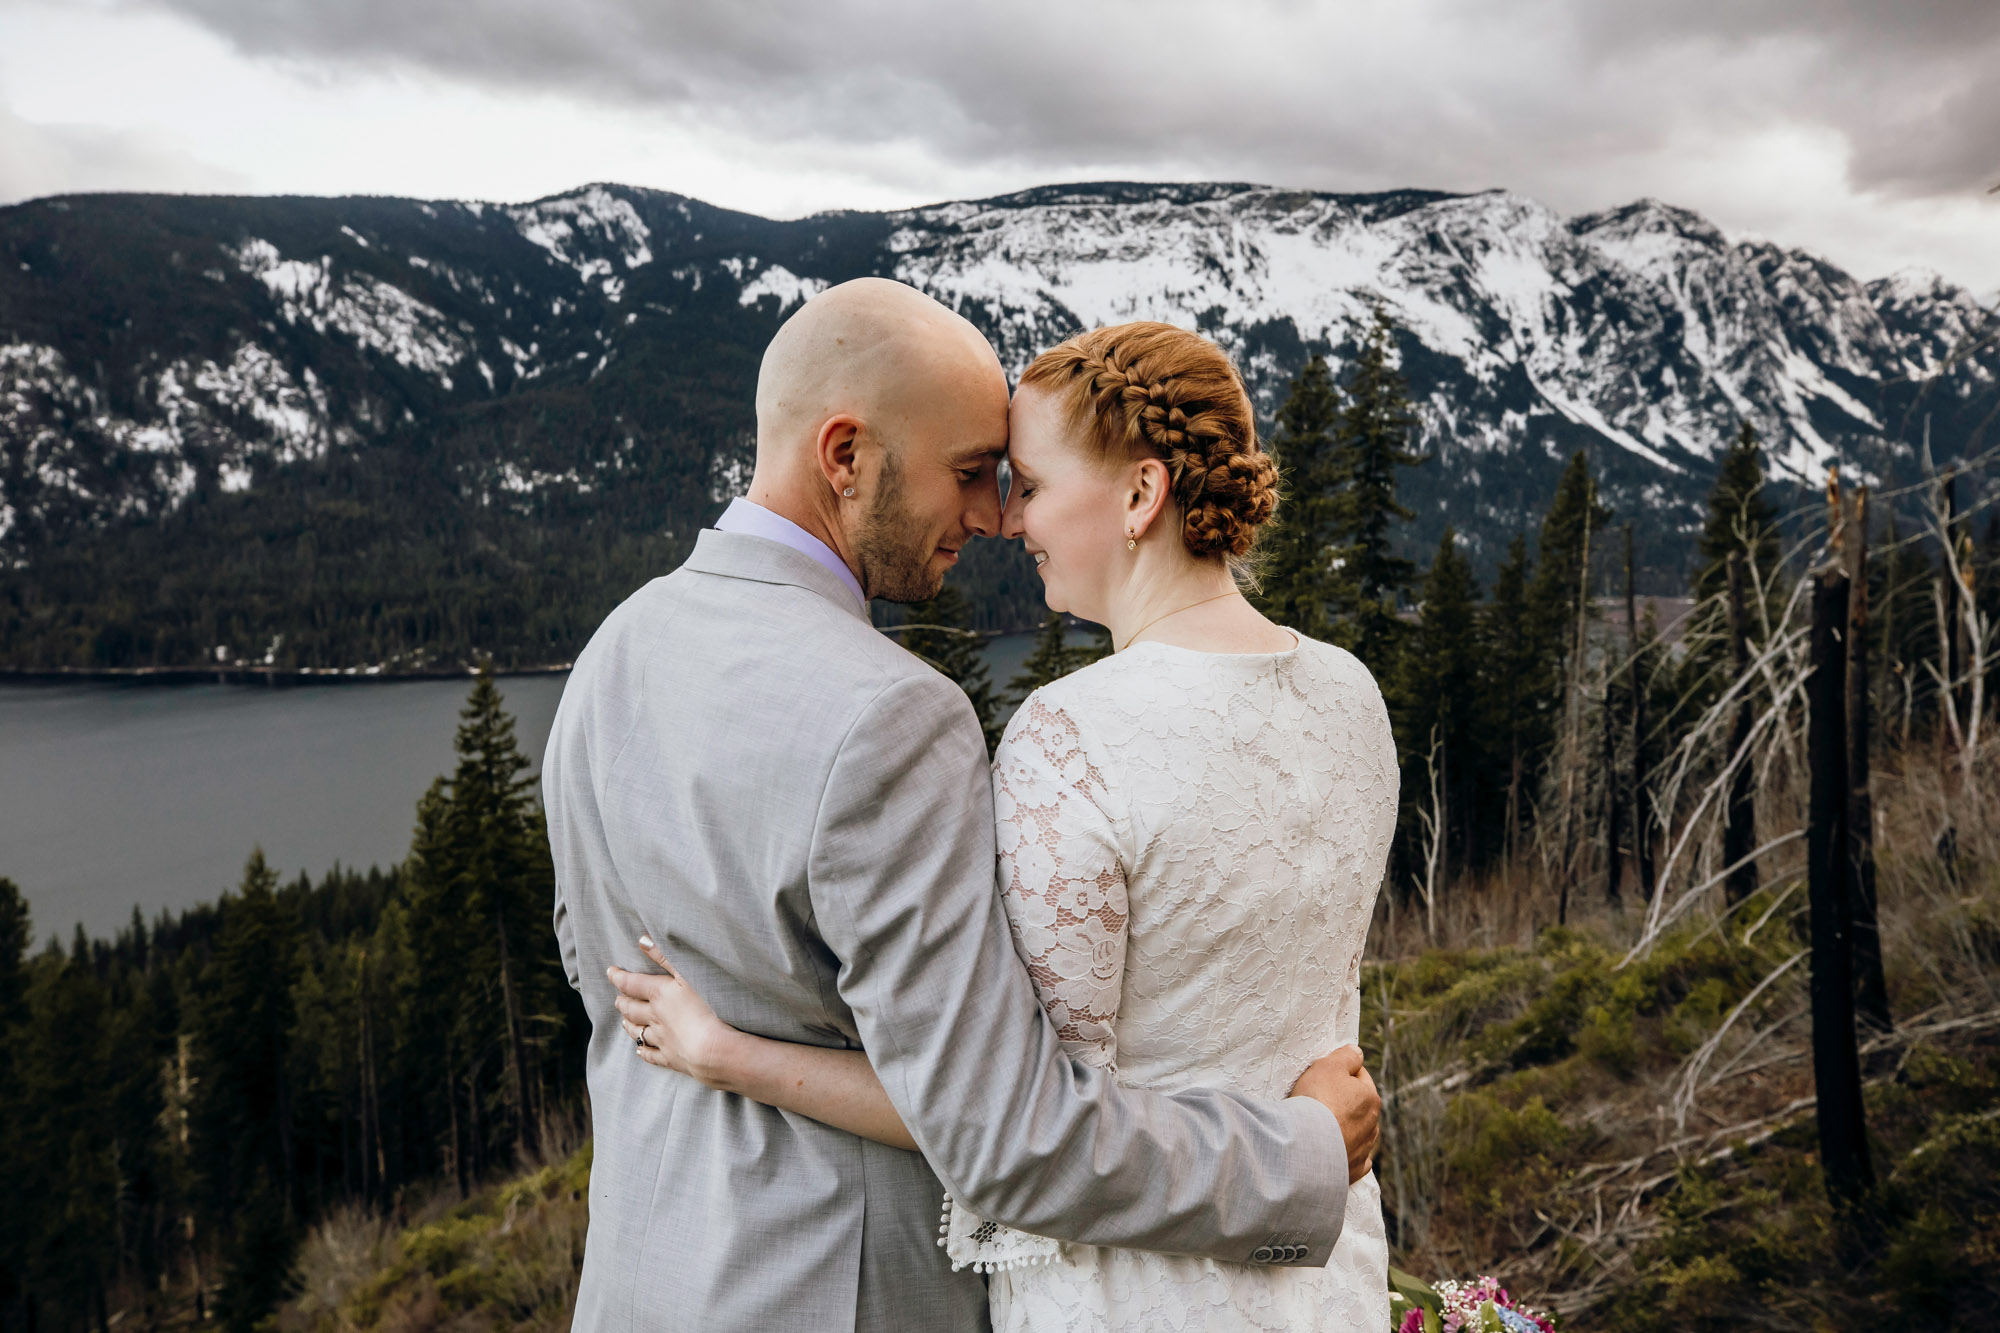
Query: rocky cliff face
{"x": 593, "y": 354}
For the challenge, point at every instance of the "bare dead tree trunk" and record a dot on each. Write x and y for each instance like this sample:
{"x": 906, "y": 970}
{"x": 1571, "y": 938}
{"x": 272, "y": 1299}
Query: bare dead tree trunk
{"x": 1843, "y": 1134}
{"x": 451, "y": 1103}
{"x": 1614, "y": 863}
{"x": 354, "y": 1116}
{"x": 1444, "y": 816}
{"x": 1954, "y": 610}
{"x": 1892, "y": 661}
{"x": 1642, "y": 799}
{"x": 1430, "y": 820}
{"x": 475, "y": 1132}
{"x": 1957, "y": 729}
{"x": 1739, "y": 829}
{"x": 1871, "y": 994}
{"x": 374, "y": 1185}
{"x": 517, "y": 1063}
{"x": 1513, "y": 789}
{"x": 1573, "y": 723}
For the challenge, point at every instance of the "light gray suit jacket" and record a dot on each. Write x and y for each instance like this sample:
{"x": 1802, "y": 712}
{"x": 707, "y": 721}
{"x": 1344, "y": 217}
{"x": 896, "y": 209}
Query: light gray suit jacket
{"x": 799, "y": 812}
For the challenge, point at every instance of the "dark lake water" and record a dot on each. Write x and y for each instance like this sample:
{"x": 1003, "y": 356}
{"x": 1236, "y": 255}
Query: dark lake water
{"x": 117, "y": 795}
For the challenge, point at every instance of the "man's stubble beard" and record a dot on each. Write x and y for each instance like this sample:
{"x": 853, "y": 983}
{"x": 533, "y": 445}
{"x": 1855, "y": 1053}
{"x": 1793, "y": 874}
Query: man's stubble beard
{"x": 892, "y": 568}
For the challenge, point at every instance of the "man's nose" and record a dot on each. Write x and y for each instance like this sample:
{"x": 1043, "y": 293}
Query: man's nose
{"x": 983, "y": 517}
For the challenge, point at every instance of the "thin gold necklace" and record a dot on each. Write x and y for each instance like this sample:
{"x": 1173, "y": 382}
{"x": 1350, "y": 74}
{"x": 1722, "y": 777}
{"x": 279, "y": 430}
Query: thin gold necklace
{"x": 1176, "y": 611}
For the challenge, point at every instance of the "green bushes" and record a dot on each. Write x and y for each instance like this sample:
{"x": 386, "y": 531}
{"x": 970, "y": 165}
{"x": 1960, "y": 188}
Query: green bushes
{"x": 1941, "y": 1257}
{"x": 1756, "y": 1233}
{"x": 1567, "y": 997}
{"x": 506, "y": 1258}
{"x": 1502, "y": 1162}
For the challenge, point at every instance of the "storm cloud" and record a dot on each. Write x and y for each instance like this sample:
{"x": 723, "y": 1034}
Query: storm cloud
{"x": 1454, "y": 93}
{"x": 1866, "y": 131}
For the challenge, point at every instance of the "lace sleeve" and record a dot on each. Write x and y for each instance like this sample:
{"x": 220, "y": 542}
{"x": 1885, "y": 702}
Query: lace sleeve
{"x": 1062, "y": 881}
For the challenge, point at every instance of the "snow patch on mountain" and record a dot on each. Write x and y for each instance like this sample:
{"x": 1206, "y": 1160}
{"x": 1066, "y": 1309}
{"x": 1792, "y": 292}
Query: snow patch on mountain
{"x": 1939, "y": 321}
{"x": 294, "y": 415}
{"x": 781, "y": 282}
{"x": 380, "y": 316}
{"x": 571, "y": 226}
{"x": 1654, "y": 240}
{"x": 517, "y": 480}
{"x": 230, "y": 414}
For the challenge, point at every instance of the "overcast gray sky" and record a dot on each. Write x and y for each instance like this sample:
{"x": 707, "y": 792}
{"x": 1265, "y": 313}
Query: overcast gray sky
{"x": 1866, "y": 130}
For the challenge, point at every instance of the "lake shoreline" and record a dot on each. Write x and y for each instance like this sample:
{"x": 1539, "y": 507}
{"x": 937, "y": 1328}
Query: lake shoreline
{"x": 223, "y": 673}
{"x": 275, "y": 677}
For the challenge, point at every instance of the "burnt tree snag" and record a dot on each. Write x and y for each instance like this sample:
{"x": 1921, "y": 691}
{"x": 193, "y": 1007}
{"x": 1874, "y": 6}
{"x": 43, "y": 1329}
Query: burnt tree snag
{"x": 1843, "y": 1133}
{"x": 1642, "y": 798}
{"x": 1871, "y": 994}
{"x": 1739, "y": 829}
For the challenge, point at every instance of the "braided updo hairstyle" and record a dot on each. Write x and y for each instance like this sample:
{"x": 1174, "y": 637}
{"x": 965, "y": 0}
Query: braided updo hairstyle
{"x": 1147, "y": 390}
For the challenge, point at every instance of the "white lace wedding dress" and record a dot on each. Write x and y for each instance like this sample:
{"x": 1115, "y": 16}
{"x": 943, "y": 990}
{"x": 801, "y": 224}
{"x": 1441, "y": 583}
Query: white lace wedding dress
{"x": 1191, "y": 845}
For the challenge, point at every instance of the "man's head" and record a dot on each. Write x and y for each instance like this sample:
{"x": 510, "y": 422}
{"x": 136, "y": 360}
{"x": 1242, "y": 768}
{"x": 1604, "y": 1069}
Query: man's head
{"x": 881, "y": 422}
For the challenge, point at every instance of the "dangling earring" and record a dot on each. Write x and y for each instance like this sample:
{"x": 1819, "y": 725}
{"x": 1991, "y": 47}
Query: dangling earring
{"x": 849, "y": 492}
{"x": 1131, "y": 540}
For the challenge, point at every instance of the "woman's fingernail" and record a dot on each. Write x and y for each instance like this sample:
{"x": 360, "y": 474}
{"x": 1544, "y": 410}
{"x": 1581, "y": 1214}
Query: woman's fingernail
{"x": 646, "y": 942}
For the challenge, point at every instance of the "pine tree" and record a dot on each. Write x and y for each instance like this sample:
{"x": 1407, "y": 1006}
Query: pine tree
{"x": 242, "y": 1115}
{"x": 1741, "y": 520}
{"x": 1740, "y": 517}
{"x": 15, "y": 933}
{"x": 257, "y": 1257}
{"x": 1513, "y": 706}
{"x": 480, "y": 883}
{"x": 1053, "y": 658}
{"x": 1297, "y": 575}
{"x": 1559, "y": 605}
{"x": 1373, "y": 441}
{"x": 1436, "y": 690}
{"x": 939, "y": 631}
{"x": 1572, "y": 529}
{"x": 65, "y": 1142}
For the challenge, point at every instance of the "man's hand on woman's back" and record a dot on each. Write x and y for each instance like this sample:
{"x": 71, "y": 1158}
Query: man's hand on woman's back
{"x": 1343, "y": 1085}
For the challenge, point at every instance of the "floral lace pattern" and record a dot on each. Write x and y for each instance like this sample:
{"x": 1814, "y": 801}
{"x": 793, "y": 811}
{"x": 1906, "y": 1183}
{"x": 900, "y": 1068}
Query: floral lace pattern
{"x": 1062, "y": 878}
{"x": 1190, "y": 848}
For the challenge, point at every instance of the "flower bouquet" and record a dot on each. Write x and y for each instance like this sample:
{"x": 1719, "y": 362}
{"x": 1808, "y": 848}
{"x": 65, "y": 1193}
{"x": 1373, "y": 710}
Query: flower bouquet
{"x": 1479, "y": 1306}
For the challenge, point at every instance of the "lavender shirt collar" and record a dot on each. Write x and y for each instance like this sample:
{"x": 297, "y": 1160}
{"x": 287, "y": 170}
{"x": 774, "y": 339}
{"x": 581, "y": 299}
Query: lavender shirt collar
{"x": 753, "y": 520}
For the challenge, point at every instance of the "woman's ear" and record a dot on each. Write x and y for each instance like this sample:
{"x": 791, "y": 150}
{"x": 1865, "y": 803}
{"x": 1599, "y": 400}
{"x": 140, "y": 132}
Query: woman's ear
{"x": 1145, "y": 495}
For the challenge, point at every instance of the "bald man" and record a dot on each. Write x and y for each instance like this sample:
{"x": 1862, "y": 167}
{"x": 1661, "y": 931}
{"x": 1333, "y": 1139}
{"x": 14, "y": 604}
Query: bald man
{"x": 799, "y": 812}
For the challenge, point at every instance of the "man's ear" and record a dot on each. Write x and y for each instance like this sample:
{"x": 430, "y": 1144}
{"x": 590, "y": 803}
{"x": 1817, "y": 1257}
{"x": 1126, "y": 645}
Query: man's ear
{"x": 1145, "y": 495}
{"x": 835, "y": 451}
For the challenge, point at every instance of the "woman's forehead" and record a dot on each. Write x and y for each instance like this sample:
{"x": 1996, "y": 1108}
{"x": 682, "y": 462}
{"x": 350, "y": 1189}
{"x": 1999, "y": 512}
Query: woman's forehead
{"x": 1034, "y": 418}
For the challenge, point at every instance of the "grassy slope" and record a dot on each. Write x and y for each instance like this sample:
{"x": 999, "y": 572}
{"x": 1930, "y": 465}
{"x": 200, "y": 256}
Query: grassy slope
{"x": 506, "y": 1258}
{"x": 1535, "y": 1134}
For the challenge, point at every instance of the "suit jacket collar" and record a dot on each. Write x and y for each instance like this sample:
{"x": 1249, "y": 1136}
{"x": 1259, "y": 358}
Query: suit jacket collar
{"x": 738, "y": 555}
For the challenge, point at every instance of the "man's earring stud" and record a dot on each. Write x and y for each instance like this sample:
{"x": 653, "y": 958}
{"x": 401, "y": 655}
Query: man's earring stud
{"x": 849, "y": 492}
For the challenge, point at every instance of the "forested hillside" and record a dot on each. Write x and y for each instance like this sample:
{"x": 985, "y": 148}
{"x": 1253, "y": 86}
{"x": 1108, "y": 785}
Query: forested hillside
{"x": 181, "y": 1102}
{"x": 336, "y": 433}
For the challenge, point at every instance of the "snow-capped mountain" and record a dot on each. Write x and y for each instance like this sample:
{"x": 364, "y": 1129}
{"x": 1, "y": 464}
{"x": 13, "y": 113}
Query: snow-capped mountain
{"x": 596, "y": 351}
